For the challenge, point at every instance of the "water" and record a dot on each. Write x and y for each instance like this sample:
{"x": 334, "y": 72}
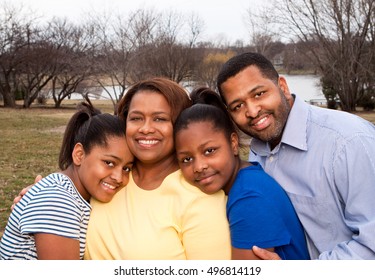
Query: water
{"x": 305, "y": 86}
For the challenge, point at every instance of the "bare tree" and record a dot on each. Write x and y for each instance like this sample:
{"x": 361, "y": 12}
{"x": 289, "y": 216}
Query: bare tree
{"x": 121, "y": 38}
{"x": 262, "y": 27}
{"x": 71, "y": 64}
{"x": 171, "y": 53}
{"x": 342, "y": 30}
{"x": 14, "y": 23}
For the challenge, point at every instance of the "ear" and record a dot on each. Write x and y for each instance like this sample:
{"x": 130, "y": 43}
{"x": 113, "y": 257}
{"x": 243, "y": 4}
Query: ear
{"x": 284, "y": 87}
{"x": 234, "y": 143}
{"x": 78, "y": 154}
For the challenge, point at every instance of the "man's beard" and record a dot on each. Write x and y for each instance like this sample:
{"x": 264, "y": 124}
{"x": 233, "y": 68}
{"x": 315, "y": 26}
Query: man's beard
{"x": 272, "y": 134}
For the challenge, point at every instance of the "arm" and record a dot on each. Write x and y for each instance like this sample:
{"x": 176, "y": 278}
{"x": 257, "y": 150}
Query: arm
{"x": 55, "y": 219}
{"x": 247, "y": 254}
{"x": 354, "y": 177}
{"x": 54, "y": 247}
{"x": 265, "y": 254}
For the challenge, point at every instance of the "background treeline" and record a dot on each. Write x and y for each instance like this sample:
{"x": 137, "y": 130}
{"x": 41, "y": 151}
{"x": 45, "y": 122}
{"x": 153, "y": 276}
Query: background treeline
{"x": 42, "y": 59}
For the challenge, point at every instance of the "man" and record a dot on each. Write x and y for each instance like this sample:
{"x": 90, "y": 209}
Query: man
{"x": 324, "y": 159}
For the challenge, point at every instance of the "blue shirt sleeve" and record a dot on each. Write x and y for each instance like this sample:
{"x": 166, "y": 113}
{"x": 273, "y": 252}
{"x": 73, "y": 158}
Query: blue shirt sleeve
{"x": 255, "y": 221}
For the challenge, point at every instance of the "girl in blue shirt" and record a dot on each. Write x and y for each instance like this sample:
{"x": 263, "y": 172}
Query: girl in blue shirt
{"x": 259, "y": 211}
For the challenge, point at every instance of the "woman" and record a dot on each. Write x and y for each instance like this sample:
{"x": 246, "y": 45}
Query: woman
{"x": 158, "y": 215}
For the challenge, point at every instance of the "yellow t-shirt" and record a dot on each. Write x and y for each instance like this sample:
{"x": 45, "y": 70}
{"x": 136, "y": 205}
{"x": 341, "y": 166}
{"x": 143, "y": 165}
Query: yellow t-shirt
{"x": 176, "y": 221}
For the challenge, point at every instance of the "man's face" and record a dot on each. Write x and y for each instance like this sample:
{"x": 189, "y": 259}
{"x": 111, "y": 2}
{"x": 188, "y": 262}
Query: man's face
{"x": 257, "y": 105}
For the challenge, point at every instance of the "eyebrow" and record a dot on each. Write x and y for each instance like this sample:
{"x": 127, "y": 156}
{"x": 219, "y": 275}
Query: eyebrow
{"x": 113, "y": 156}
{"x": 154, "y": 113}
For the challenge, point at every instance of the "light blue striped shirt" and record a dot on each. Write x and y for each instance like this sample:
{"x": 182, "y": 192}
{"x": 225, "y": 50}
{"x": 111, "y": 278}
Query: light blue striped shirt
{"x": 54, "y": 206}
{"x": 326, "y": 163}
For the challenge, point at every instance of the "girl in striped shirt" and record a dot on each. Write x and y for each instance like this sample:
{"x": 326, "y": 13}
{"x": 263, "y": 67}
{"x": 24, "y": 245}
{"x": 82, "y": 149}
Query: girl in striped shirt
{"x": 50, "y": 221}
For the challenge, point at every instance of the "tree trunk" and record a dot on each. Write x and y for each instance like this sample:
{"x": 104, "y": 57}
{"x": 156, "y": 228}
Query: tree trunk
{"x": 9, "y": 100}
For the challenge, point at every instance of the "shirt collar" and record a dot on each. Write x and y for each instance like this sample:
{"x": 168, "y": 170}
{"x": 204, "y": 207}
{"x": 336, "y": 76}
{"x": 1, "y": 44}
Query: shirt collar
{"x": 295, "y": 131}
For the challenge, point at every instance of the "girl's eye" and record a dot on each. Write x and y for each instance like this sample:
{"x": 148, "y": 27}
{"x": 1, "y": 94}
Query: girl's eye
{"x": 186, "y": 160}
{"x": 127, "y": 169}
{"x": 209, "y": 151}
{"x": 109, "y": 163}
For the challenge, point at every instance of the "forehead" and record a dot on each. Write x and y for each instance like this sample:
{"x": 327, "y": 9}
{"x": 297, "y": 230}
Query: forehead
{"x": 199, "y": 130}
{"x": 248, "y": 80}
{"x": 144, "y": 98}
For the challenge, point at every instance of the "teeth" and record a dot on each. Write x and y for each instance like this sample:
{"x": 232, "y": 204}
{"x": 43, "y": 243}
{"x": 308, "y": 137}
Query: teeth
{"x": 109, "y": 186}
{"x": 262, "y": 120}
{"x": 147, "y": 142}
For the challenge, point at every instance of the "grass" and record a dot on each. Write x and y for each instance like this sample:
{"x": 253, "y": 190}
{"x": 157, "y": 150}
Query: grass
{"x": 30, "y": 140}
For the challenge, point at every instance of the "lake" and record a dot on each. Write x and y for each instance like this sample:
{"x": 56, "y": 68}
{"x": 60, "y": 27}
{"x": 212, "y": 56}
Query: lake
{"x": 305, "y": 86}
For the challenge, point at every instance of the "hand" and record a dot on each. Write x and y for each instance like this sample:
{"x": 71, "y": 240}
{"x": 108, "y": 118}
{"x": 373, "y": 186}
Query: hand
{"x": 264, "y": 254}
{"x": 23, "y": 191}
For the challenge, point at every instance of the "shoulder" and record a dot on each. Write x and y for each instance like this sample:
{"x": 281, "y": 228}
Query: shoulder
{"x": 342, "y": 124}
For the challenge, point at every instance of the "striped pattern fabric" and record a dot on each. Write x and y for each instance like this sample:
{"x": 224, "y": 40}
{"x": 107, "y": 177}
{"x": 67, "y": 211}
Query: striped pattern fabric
{"x": 53, "y": 206}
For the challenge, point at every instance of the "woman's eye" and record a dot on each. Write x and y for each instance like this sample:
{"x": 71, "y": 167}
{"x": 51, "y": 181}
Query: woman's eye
{"x": 160, "y": 119}
{"x": 134, "y": 119}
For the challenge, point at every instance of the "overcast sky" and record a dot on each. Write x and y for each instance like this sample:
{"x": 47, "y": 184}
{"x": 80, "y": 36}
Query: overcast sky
{"x": 220, "y": 16}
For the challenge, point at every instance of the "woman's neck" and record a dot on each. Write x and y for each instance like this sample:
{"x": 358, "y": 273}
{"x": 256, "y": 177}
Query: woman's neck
{"x": 150, "y": 176}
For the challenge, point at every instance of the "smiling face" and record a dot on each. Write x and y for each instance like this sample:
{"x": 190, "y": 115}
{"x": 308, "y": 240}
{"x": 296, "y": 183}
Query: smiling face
{"x": 258, "y": 106}
{"x": 104, "y": 171}
{"x": 149, "y": 128}
{"x": 206, "y": 157}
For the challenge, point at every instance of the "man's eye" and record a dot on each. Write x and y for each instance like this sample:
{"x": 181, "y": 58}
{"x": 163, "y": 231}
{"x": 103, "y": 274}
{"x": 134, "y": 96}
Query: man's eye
{"x": 237, "y": 107}
{"x": 259, "y": 94}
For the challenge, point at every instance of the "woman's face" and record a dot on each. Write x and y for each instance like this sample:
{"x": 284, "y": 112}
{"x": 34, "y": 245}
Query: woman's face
{"x": 149, "y": 127}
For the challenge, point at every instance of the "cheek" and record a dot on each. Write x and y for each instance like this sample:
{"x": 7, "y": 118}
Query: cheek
{"x": 187, "y": 172}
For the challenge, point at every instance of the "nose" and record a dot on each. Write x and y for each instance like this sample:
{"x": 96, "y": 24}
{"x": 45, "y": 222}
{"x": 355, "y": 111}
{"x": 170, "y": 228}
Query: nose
{"x": 199, "y": 165}
{"x": 252, "y": 109}
{"x": 146, "y": 127}
{"x": 118, "y": 175}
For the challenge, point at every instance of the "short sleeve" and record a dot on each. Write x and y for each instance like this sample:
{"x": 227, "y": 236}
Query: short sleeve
{"x": 255, "y": 221}
{"x": 51, "y": 212}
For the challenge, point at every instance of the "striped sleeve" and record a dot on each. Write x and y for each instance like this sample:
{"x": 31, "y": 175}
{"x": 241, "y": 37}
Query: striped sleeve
{"x": 52, "y": 212}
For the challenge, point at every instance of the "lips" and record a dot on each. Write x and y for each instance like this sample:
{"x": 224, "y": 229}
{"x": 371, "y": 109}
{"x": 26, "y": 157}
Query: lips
{"x": 205, "y": 180}
{"x": 109, "y": 186}
{"x": 261, "y": 123}
{"x": 147, "y": 142}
